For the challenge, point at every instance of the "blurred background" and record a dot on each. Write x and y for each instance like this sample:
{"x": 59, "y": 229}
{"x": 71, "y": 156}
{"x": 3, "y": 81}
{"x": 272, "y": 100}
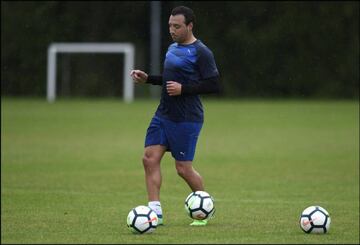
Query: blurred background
{"x": 301, "y": 49}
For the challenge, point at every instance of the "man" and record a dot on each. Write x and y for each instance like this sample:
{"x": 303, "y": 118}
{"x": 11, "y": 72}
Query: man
{"x": 189, "y": 70}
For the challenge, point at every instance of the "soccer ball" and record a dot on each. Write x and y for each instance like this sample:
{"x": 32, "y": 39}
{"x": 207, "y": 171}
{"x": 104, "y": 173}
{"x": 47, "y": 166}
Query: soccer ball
{"x": 199, "y": 205}
{"x": 142, "y": 219}
{"x": 315, "y": 219}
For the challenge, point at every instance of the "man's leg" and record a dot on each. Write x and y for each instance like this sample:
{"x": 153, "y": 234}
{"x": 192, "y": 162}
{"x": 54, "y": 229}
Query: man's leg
{"x": 151, "y": 161}
{"x": 190, "y": 175}
{"x": 193, "y": 179}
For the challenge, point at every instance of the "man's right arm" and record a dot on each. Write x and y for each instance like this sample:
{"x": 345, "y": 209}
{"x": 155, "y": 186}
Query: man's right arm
{"x": 155, "y": 80}
{"x": 142, "y": 77}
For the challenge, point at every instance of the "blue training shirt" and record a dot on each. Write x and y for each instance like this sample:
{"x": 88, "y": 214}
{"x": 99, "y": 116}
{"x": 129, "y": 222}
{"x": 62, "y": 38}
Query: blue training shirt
{"x": 185, "y": 64}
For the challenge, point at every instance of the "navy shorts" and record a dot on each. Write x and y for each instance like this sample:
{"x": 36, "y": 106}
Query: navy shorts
{"x": 180, "y": 138}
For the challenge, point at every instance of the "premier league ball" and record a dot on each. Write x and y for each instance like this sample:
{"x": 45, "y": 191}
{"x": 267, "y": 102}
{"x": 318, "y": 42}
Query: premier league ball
{"x": 199, "y": 205}
{"x": 315, "y": 219}
{"x": 142, "y": 219}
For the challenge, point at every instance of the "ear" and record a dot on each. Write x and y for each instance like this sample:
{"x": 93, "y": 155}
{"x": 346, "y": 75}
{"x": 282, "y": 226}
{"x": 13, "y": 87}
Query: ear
{"x": 190, "y": 26}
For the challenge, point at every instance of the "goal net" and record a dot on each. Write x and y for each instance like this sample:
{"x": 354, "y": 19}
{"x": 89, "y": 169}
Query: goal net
{"x": 127, "y": 49}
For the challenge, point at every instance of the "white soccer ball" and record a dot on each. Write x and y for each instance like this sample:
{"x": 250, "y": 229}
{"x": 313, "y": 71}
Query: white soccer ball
{"x": 199, "y": 205}
{"x": 142, "y": 219}
{"x": 315, "y": 219}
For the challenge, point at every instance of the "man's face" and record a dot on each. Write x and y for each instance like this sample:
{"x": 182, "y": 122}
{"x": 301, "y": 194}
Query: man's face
{"x": 179, "y": 31}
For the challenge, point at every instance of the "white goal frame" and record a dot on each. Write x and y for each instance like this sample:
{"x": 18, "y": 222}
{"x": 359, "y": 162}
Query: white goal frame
{"x": 127, "y": 48}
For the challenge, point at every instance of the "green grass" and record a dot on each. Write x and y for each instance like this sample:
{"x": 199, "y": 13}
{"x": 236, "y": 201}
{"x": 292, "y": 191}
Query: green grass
{"x": 71, "y": 171}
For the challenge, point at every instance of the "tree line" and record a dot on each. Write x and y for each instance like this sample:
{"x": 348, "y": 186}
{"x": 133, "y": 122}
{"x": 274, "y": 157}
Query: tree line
{"x": 263, "y": 49}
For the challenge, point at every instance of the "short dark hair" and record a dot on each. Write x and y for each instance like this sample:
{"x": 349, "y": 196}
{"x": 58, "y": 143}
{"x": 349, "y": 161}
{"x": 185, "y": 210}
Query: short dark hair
{"x": 187, "y": 12}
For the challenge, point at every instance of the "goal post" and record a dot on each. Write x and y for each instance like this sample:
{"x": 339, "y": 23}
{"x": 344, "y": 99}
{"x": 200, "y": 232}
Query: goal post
{"x": 127, "y": 49}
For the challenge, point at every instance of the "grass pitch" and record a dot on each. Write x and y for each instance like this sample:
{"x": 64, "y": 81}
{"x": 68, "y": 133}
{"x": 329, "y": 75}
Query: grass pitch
{"x": 71, "y": 171}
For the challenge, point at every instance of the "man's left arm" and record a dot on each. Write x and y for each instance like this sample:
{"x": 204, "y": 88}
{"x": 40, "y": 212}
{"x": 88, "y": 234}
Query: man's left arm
{"x": 208, "y": 69}
{"x": 207, "y": 86}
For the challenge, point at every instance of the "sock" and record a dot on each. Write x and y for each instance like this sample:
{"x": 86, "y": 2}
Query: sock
{"x": 156, "y": 206}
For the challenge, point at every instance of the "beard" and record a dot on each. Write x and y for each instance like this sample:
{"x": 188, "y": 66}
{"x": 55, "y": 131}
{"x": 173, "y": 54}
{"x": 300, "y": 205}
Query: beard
{"x": 174, "y": 38}
{"x": 177, "y": 39}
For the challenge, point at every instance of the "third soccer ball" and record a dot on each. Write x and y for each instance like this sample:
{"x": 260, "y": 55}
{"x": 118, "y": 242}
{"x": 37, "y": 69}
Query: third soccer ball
{"x": 199, "y": 205}
{"x": 315, "y": 219}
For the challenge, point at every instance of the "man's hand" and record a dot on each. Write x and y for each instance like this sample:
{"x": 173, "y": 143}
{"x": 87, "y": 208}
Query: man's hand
{"x": 138, "y": 76}
{"x": 173, "y": 88}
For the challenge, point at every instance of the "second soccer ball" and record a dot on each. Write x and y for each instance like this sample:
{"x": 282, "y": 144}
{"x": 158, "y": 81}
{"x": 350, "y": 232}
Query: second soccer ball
{"x": 142, "y": 219}
{"x": 199, "y": 205}
{"x": 315, "y": 219}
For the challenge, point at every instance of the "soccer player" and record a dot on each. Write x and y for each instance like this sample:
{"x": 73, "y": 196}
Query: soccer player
{"x": 189, "y": 70}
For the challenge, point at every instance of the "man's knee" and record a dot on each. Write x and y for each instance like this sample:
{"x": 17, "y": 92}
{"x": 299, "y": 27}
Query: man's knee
{"x": 152, "y": 156}
{"x": 184, "y": 169}
{"x": 149, "y": 161}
